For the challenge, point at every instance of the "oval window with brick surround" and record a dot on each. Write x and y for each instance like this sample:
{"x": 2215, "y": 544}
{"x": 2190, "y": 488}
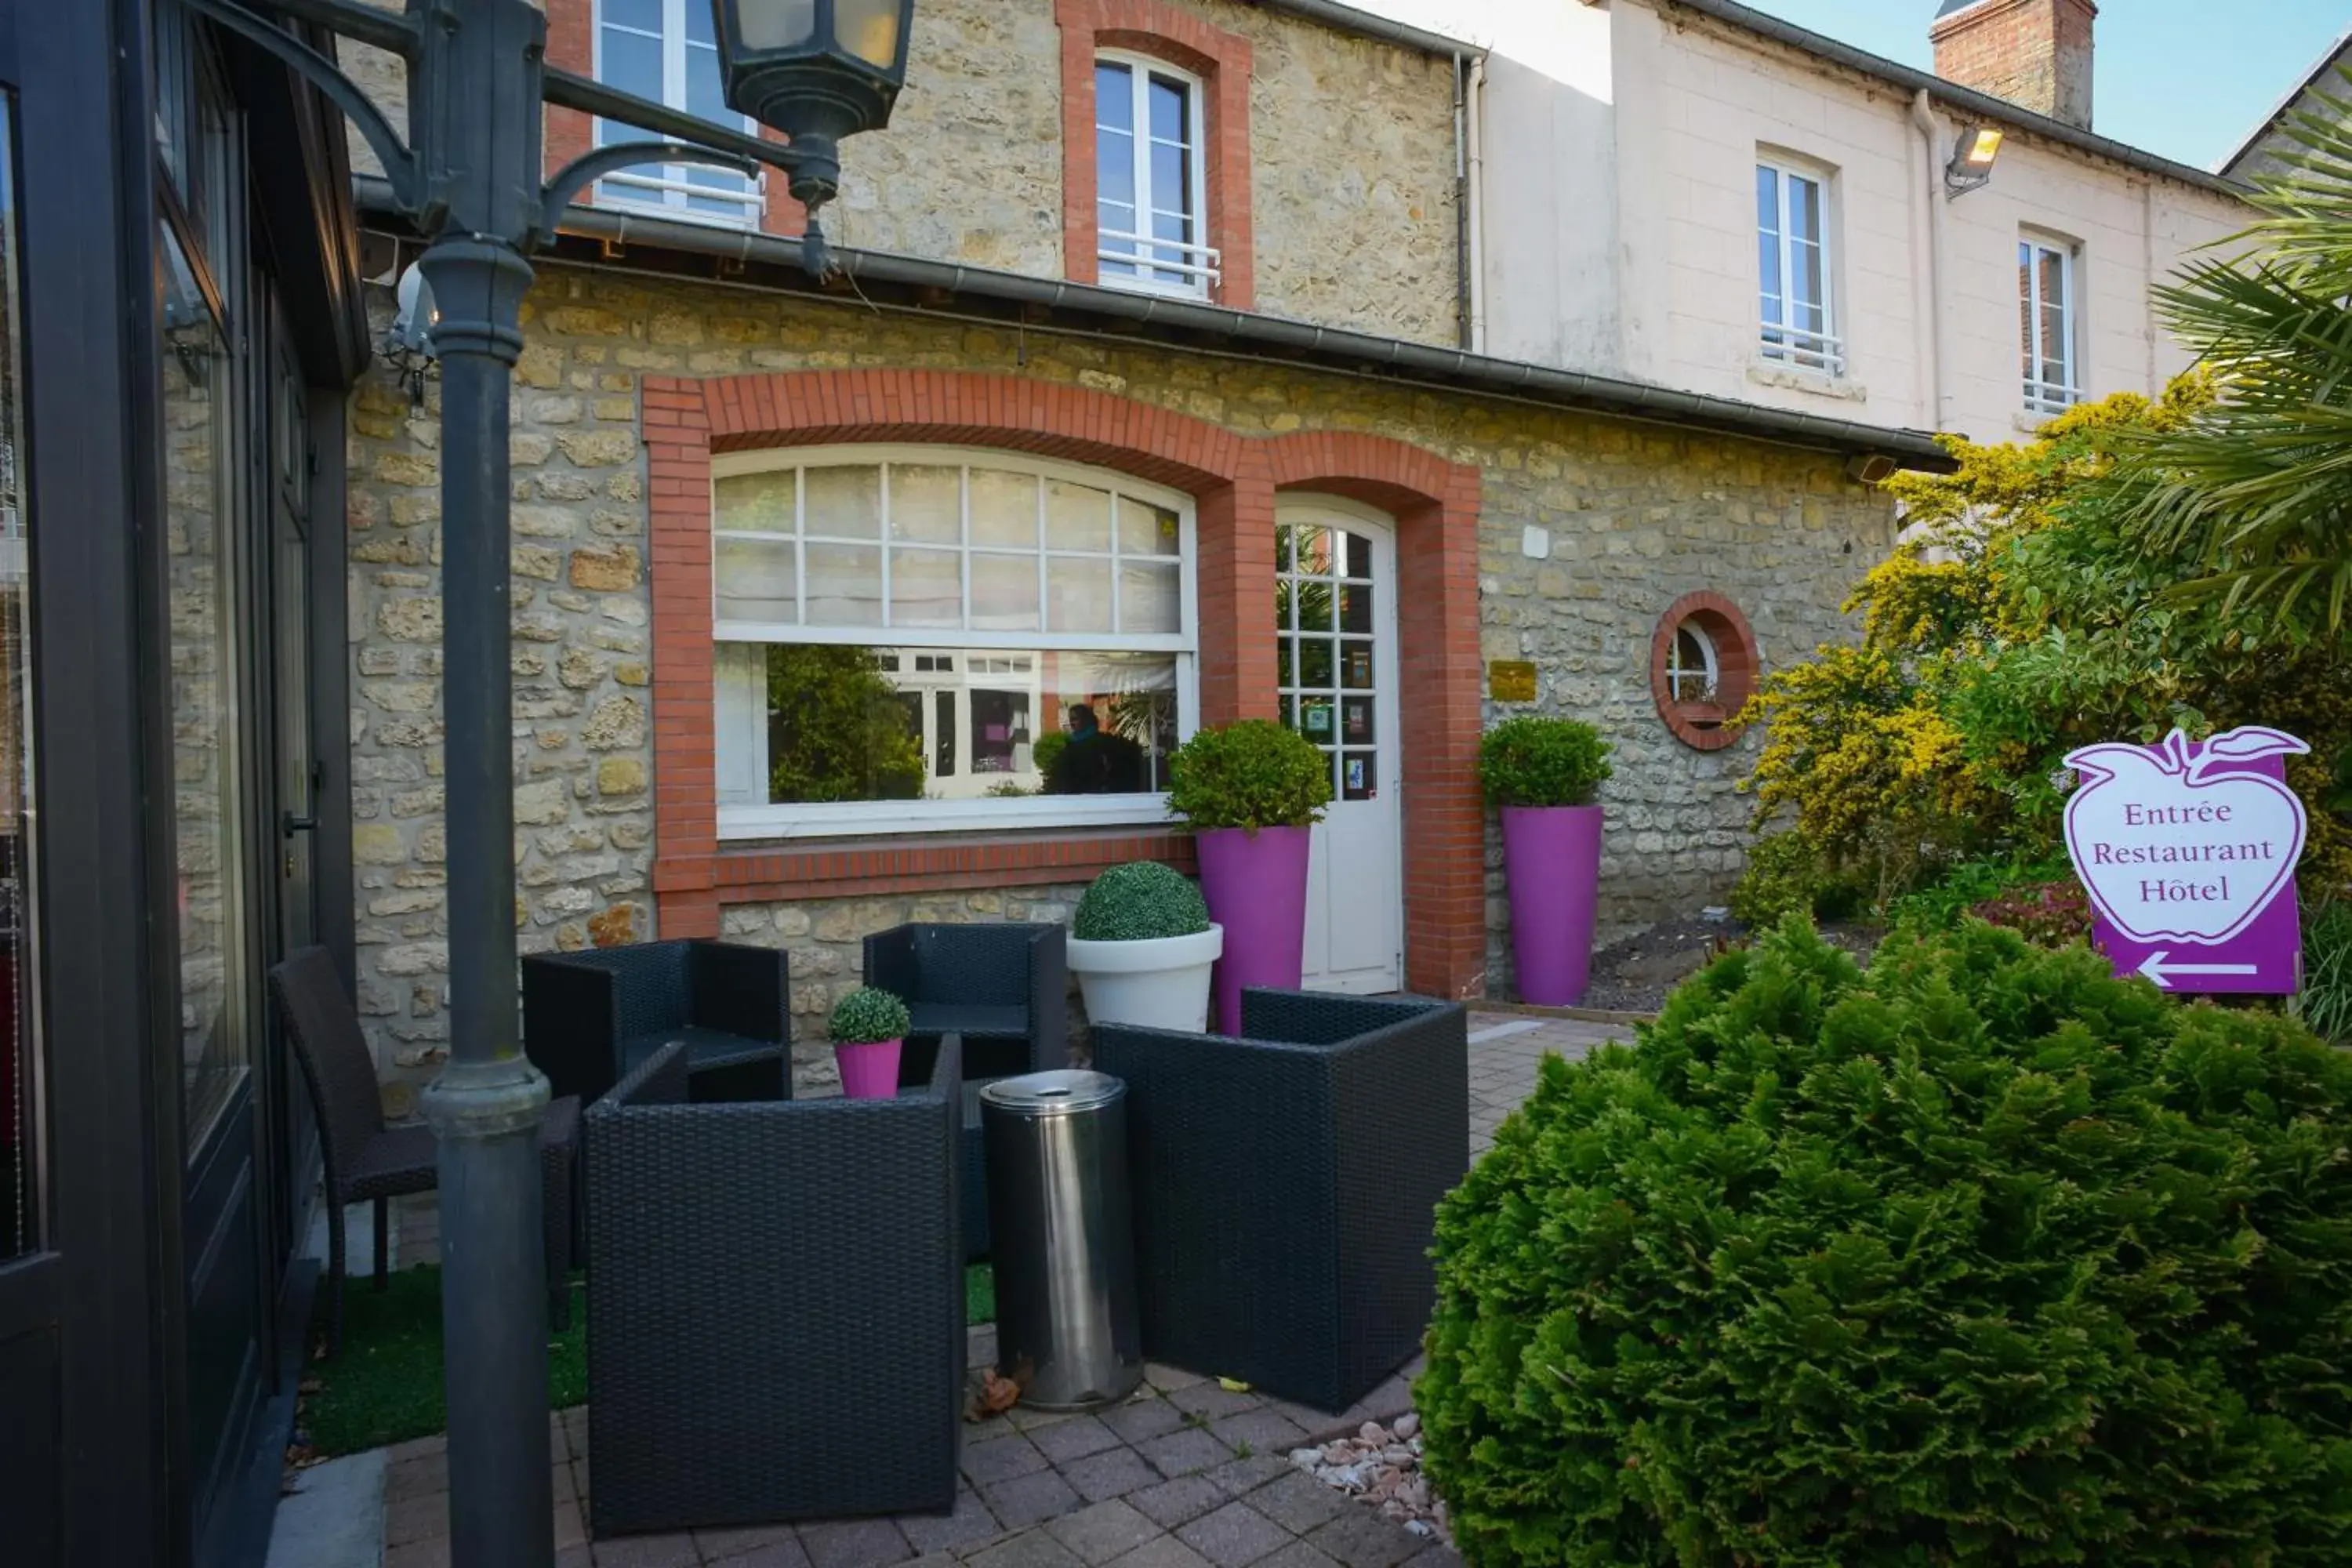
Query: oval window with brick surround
{"x": 1703, "y": 668}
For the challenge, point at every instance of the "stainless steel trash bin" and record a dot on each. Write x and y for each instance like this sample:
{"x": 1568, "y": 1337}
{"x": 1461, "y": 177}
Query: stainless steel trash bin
{"x": 1063, "y": 1237}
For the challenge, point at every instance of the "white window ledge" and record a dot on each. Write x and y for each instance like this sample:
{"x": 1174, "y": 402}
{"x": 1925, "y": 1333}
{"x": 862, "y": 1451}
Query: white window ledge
{"x": 1769, "y": 373}
{"x": 897, "y": 819}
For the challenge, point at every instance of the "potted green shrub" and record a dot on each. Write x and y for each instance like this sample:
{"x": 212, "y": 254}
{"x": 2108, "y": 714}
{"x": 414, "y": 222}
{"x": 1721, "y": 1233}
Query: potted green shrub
{"x": 1142, "y": 946}
{"x": 867, "y": 1028}
{"x": 1250, "y": 791}
{"x": 1542, "y": 774}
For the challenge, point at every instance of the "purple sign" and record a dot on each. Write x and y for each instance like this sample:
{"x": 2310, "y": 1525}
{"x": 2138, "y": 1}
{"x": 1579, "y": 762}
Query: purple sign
{"x": 2188, "y": 851}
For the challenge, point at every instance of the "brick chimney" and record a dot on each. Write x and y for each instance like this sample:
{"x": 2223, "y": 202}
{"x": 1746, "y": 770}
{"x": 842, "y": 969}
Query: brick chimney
{"x": 2034, "y": 53}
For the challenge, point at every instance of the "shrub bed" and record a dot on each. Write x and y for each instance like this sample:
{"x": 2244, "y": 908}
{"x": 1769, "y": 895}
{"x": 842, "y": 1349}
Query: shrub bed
{"x": 1986, "y": 1256}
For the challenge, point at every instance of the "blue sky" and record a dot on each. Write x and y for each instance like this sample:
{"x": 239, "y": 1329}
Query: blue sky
{"x": 2184, "y": 79}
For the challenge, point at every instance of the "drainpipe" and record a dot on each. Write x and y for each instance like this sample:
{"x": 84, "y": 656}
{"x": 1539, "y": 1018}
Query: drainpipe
{"x": 1462, "y": 332}
{"x": 1930, "y": 135}
{"x": 1473, "y": 112}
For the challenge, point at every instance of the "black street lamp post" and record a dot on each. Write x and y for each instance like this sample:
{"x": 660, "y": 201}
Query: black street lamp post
{"x": 470, "y": 176}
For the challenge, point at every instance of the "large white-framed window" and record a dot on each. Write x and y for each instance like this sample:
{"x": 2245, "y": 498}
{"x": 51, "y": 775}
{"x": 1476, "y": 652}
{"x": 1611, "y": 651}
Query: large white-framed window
{"x": 1150, "y": 177}
{"x": 1797, "y": 317}
{"x": 2046, "y": 323}
{"x": 915, "y": 639}
{"x": 666, "y": 50}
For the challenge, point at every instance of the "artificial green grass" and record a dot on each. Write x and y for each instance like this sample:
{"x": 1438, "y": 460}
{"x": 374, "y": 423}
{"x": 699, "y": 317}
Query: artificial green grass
{"x": 386, "y": 1385}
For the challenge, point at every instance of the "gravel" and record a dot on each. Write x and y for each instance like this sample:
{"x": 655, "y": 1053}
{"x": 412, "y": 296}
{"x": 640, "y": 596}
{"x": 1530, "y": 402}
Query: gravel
{"x": 1379, "y": 1466}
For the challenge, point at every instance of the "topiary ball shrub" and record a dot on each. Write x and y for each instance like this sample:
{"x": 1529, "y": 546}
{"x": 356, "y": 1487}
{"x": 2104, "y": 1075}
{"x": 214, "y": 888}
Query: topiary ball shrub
{"x": 866, "y": 1017}
{"x": 1535, "y": 761}
{"x": 1987, "y": 1256}
{"x": 1251, "y": 774}
{"x": 1141, "y": 901}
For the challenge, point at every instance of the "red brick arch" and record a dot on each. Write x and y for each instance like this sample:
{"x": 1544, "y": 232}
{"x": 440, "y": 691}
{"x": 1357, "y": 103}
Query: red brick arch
{"x": 1233, "y": 480}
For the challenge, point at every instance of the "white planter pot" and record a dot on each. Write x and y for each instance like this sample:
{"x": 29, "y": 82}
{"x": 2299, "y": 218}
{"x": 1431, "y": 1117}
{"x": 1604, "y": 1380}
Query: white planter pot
{"x": 1162, "y": 983}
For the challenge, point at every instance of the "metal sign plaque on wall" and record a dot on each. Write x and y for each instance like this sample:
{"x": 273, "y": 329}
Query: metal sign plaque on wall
{"x": 2188, "y": 851}
{"x": 1511, "y": 680}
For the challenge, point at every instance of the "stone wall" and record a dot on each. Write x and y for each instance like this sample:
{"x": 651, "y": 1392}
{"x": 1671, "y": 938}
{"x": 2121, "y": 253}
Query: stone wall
{"x": 1624, "y": 519}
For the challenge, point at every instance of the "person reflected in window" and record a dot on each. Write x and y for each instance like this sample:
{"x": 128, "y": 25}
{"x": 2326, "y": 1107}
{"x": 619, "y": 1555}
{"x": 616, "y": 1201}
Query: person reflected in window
{"x": 1095, "y": 762}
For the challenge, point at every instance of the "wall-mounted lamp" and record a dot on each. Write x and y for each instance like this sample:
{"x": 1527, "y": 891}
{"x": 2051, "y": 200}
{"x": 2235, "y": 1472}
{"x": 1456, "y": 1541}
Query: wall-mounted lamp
{"x": 407, "y": 344}
{"x": 1972, "y": 159}
{"x": 1870, "y": 467}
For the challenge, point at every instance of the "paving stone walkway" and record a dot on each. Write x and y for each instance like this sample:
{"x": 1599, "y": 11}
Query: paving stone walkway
{"x": 1187, "y": 1474}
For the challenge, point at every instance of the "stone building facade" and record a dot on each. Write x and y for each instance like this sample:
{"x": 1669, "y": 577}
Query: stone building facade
{"x": 1548, "y": 539}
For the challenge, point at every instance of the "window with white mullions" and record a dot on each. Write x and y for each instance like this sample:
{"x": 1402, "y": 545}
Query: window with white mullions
{"x": 2045, "y": 308}
{"x": 666, "y": 50}
{"x": 1148, "y": 178}
{"x": 1798, "y": 327}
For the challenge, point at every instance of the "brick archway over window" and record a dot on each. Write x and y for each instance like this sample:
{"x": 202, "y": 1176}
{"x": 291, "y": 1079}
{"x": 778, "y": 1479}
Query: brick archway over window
{"x": 1222, "y": 60}
{"x": 1233, "y": 481}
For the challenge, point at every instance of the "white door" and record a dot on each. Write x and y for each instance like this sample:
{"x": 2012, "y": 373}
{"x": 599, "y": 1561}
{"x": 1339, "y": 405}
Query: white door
{"x": 1335, "y": 658}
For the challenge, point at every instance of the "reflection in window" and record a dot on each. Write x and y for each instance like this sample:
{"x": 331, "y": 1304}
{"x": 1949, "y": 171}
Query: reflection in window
{"x": 198, "y": 453}
{"x": 927, "y": 628}
{"x": 19, "y": 1190}
{"x": 1691, "y": 673}
{"x": 666, "y": 50}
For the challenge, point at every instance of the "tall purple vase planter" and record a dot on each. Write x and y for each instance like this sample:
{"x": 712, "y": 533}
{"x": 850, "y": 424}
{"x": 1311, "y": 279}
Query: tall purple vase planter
{"x": 1551, "y": 861}
{"x": 1256, "y": 884}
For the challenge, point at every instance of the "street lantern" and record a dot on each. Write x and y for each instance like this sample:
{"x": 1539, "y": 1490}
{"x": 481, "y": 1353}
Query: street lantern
{"x": 817, "y": 70}
{"x": 1972, "y": 158}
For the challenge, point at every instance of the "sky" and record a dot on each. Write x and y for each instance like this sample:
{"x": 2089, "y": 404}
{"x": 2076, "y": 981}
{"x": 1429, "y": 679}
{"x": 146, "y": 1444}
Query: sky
{"x": 2183, "y": 78}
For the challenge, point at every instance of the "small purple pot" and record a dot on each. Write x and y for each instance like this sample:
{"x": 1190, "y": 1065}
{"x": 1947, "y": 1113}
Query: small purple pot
{"x": 1551, "y": 860}
{"x": 1256, "y": 886}
{"x": 869, "y": 1069}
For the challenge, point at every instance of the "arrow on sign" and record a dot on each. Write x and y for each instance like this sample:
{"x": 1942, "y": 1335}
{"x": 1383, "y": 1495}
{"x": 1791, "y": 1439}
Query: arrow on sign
{"x": 2156, "y": 968}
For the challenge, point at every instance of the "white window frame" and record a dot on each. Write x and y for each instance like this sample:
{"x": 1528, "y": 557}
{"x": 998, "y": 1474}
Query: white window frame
{"x": 1198, "y": 261}
{"x": 668, "y": 193}
{"x": 1821, "y": 352}
{"x": 1710, "y": 663}
{"x": 837, "y": 818}
{"x": 2047, "y": 397}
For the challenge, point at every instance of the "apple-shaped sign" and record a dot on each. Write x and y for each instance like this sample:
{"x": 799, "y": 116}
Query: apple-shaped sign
{"x": 2186, "y": 844}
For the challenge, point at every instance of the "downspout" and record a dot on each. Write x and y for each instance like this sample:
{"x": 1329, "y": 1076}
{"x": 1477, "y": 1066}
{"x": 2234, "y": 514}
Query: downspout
{"x": 1923, "y": 117}
{"x": 1473, "y": 112}
{"x": 1463, "y": 333}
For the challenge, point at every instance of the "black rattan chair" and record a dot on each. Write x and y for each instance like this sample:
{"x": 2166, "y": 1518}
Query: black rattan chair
{"x": 589, "y": 1017}
{"x": 366, "y": 1160}
{"x": 776, "y": 1309}
{"x": 1285, "y": 1185}
{"x": 1004, "y": 989}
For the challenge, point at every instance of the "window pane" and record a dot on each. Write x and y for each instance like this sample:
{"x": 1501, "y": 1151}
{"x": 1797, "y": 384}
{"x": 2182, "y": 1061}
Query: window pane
{"x": 1004, "y": 508}
{"x": 1148, "y": 600}
{"x": 1004, "y": 593}
{"x": 698, "y": 22}
{"x": 1114, "y": 96}
{"x": 926, "y": 588}
{"x": 1356, "y": 663}
{"x": 2025, "y": 305}
{"x": 756, "y": 503}
{"x": 1115, "y": 172}
{"x": 1168, "y": 116}
{"x": 1360, "y": 556}
{"x": 1077, "y": 517}
{"x": 19, "y": 1189}
{"x": 845, "y": 585}
{"x": 844, "y": 503}
{"x": 1171, "y": 192}
{"x": 1768, "y": 201}
{"x": 199, "y": 506}
{"x": 1146, "y": 530}
{"x": 1356, "y": 607}
{"x": 632, "y": 62}
{"x": 1804, "y": 210}
{"x": 645, "y": 15}
{"x": 886, "y": 723}
{"x": 1078, "y": 593}
{"x": 1355, "y": 722}
{"x": 705, "y": 93}
{"x": 926, "y": 504}
{"x": 756, "y": 579}
{"x": 1315, "y": 663}
{"x": 1314, "y": 601}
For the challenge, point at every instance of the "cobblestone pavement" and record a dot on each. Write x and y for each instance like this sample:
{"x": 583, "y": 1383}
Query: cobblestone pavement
{"x": 1185, "y": 1475}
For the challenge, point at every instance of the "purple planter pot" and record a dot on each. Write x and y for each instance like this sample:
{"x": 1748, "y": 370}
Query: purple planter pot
{"x": 1256, "y": 886}
{"x": 869, "y": 1070}
{"x": 1551, "y": 861}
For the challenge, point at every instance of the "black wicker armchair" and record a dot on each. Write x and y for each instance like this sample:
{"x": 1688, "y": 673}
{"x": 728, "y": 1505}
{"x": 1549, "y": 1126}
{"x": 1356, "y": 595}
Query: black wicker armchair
{"x": 1285, "y": 1185}
{"x": 776, "y": 1309}
{"x": 589, "y": 1017}
{"x": 1004, "y": 989}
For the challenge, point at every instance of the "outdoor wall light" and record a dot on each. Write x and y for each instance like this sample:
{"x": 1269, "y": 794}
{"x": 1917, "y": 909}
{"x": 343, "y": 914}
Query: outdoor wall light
{"x": 1972, "y": 159}
{"x": 817, "y": 70}
{"x": 407, "y": 345}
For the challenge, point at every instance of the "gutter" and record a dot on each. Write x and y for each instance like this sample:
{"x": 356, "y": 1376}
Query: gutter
{"x": 1347, "y": 19}
{"x": 1982, "y": 105}
{"x": 1237, "y": 334}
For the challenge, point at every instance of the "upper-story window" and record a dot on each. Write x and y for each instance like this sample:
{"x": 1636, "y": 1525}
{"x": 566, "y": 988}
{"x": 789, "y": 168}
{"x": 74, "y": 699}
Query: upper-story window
{"x": 2045, "y": 311}
{"x": 1149, "y": 179}
{"x": 1799, "y": 323}
{"x": 665, "y": 50}
{"x": 914, "y": 638}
